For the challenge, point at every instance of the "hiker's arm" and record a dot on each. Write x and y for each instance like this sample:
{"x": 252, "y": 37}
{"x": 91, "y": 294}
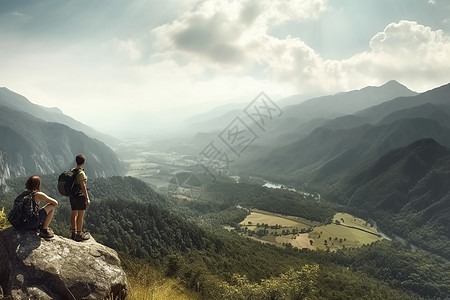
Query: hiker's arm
{"x": 40, "y": 196}
{"x": 84, "y": 191}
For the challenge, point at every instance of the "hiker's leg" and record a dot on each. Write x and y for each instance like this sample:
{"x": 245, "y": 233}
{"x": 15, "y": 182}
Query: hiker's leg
{"x": 50, "y": 209}
{"x": 80, "y": 220}
{"x": 73, "y": 219}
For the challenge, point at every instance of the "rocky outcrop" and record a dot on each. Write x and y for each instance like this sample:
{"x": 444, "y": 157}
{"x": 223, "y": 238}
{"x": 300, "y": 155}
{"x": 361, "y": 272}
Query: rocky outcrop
{"x": 58, "y": 268}
{"x": 4, "y": 168}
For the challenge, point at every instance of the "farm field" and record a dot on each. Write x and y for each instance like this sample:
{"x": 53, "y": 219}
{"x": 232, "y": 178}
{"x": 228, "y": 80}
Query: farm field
{"x": 349, "y": 220}
{"x": 334, "y": 237}
{"x": 346, "y": 231}
{"x": 275, "y": 224}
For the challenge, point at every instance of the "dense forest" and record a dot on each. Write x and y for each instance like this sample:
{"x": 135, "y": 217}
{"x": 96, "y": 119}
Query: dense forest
{"x": 144, "y": 226}
{"x": 414, "y": 202}
{"x": 280, "y": 201}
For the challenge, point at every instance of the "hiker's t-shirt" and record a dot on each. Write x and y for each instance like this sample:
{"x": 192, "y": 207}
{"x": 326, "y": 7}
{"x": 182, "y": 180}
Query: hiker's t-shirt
{"x": 81, "y": 176}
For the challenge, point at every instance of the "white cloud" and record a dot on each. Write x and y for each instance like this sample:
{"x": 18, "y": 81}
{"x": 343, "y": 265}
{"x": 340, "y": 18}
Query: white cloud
{"x": 406, "y": 51}
{"x": 232, "y": 37}
{"x": 432, "y": 2}
{"x": 406, "y": 37}
{"x": 129, "y": 49}
{"x": 212, "y": 51}
{"x": 224, "y": 32}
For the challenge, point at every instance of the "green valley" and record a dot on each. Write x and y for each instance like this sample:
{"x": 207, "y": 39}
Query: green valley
{"x": 211, "y": 262}
{"x": 360, "y": 208}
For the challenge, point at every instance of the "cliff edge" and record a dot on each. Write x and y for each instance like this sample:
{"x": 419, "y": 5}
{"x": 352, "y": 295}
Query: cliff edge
{"x": 58, "y": 268}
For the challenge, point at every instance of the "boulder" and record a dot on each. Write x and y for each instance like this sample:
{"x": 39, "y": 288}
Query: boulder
{"x": 58, "y": 268}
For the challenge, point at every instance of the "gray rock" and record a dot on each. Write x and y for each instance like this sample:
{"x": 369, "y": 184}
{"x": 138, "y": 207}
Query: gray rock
{"x": 58, "y": 268}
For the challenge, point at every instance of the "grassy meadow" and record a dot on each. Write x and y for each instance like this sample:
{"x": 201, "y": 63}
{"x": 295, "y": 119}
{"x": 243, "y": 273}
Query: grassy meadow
{"x": 346, "y": 231}
{"x": 147, "y": 283}
{"x": 275, "y": 224}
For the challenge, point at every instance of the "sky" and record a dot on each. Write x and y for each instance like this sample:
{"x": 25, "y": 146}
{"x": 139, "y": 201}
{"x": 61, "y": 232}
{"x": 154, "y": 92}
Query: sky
{"x": 115, "y": 64}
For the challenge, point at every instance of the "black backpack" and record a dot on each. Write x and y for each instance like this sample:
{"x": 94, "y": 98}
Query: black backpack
{"x": 25, "y": 210}
{"x": 66, "y": 183}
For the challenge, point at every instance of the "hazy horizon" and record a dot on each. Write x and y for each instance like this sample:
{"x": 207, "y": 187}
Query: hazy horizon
{"x": 146, "y": 63}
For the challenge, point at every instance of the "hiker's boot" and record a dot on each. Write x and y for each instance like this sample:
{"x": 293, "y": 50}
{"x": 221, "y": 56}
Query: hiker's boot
{"x": 73, "y": 234}
{"x": 46, "y": 233}
{"x": 38, "y": 229}
{"x": 82, "y": 236}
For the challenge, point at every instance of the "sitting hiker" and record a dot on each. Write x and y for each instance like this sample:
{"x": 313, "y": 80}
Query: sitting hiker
{"x": 26, "y": 213}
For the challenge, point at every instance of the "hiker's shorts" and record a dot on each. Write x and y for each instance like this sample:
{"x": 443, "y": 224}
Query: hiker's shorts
{"x": 78, "y": 202}
{"x": 37, "y": 222}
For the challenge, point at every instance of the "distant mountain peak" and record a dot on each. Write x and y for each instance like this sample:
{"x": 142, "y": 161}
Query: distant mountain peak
{"x": 394, "y": 84}
{"x": 346, "y": 103}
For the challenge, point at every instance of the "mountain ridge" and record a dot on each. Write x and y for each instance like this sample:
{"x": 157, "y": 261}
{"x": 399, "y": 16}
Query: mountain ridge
{"x": 348, "y": 102}
{"x": 18, "y": 102}
{"x": 326, "y": 152}
{"x": 301, "y": 119}
{"x": 438, "y": 95}
{"x": 34, "y": 146}
{"x": 296, "y": 115}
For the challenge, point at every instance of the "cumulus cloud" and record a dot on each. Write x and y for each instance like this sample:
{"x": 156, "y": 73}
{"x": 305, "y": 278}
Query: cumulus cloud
{"x": 225, "y": 32}
{"x": 406, "y": 37}
{"x": 409, "y": 52}
{"x": 233, "y": 36}
{"x": 406, "y": 51}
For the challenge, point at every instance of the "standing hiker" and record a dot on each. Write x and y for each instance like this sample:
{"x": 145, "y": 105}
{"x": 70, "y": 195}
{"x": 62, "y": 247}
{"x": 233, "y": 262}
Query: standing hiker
{"x": 79, "y": 202}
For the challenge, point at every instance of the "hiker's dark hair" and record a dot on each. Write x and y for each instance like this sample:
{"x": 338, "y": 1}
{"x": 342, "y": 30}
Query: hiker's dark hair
{"x": 80, "y": 159}
{"x": 33, "y": 183}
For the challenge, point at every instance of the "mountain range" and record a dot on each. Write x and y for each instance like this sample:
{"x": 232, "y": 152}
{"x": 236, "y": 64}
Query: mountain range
{"x": 318, "y": 108}
{"x": 391, "y": 159}
{"x": 18, "y": 102}
{"x": 38, "y": 140}
{"x": 341, "y": 143}
{"x": 347, "y": 102}
{"x": 300, "y": 119}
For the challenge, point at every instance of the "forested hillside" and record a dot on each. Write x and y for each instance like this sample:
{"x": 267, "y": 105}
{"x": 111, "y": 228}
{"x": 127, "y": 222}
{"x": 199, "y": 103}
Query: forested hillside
{"x": 389, "y": 160}
{"x": 224, "y": 265}
{"x": 407, "y": 191}
{"x": 326, "y": 153}
{"x": 274, "y": 200}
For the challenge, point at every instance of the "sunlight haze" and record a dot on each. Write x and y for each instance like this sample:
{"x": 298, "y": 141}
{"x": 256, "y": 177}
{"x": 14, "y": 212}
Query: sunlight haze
{"x": 142, "y": 65}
